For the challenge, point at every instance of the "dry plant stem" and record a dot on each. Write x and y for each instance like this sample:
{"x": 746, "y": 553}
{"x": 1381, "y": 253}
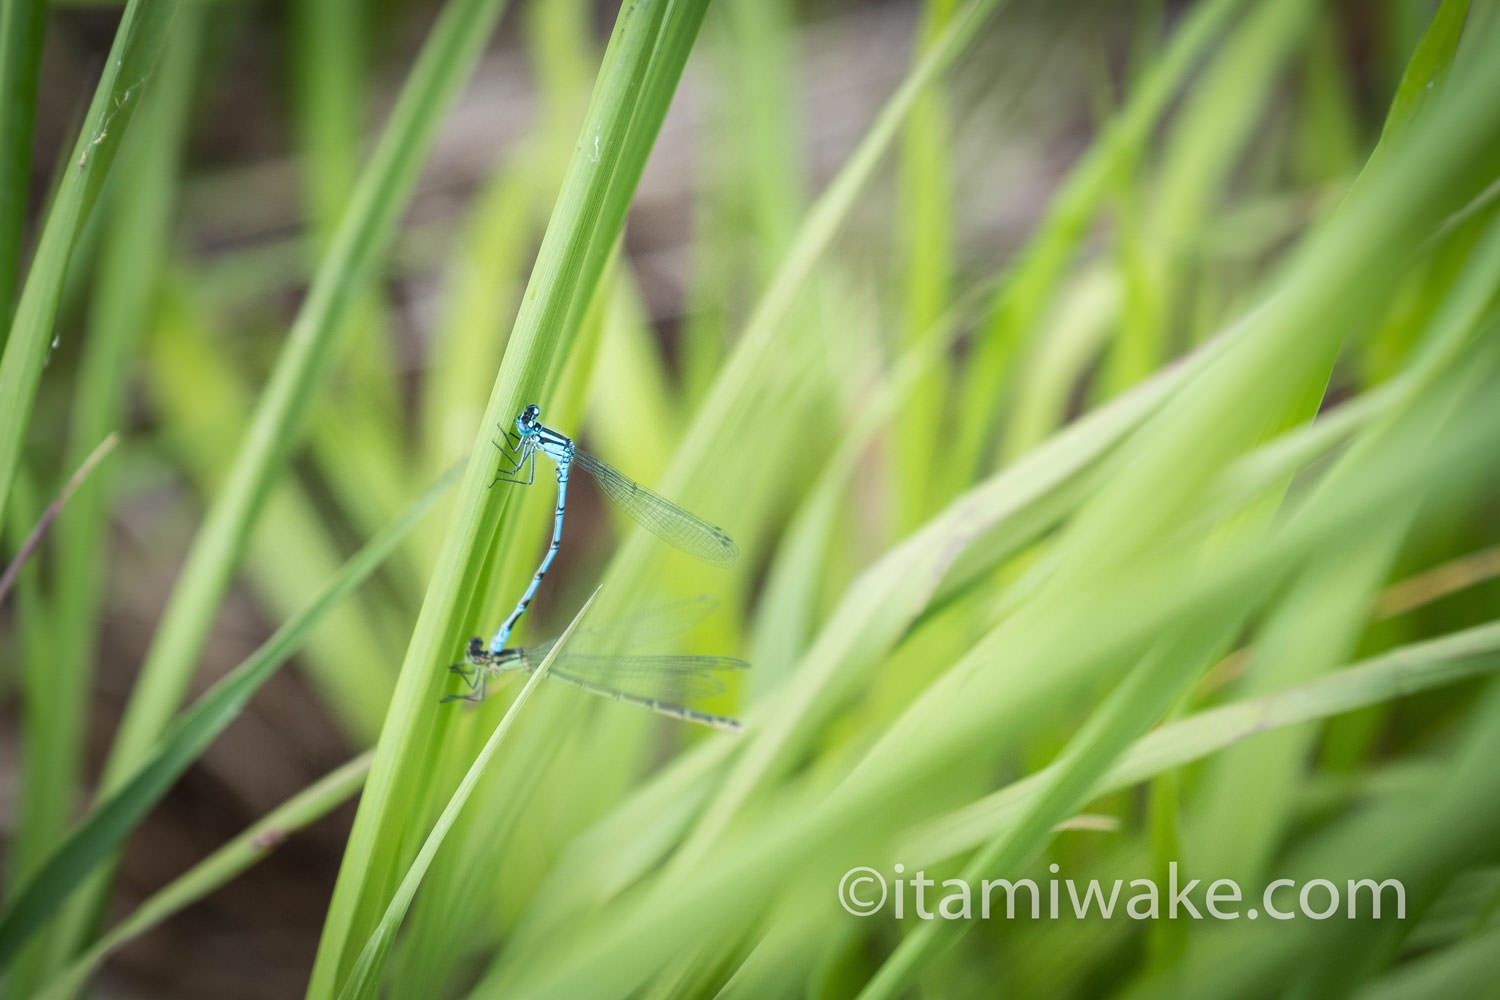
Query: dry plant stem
{"x": 1397, "y": 599}
{"x": 1451, "y": 577}
{"x": 34, "y": 539}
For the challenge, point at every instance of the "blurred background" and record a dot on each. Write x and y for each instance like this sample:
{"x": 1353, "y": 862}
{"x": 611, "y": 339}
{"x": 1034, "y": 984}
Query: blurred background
{"x": 202, "y": 250}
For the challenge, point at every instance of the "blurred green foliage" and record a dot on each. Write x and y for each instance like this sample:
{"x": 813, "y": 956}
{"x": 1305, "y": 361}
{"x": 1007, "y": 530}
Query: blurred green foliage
{"x": 1164, "y": 536}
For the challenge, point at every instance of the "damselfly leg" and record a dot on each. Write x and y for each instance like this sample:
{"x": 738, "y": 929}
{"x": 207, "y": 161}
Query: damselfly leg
{"x": 523, "y": 458}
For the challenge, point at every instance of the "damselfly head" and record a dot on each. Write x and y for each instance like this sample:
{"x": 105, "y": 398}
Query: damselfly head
{"x": 530, "y": 419}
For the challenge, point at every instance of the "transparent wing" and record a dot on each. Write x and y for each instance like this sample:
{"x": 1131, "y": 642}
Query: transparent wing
{"x": 652, "y": 704}
{"x": 674, "y": 678}
{"x": 649, "y": 627}
{"x": 660, "y": 516}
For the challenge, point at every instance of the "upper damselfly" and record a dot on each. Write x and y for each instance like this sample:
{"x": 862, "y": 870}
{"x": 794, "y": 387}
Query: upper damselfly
{"x": 663, "y": 518}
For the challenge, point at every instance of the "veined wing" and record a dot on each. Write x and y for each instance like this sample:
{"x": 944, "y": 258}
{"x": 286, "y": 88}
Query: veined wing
{"x": 679, "y": 528}
{"x": 647, "y": 628}
{"x": 676, "y": 678}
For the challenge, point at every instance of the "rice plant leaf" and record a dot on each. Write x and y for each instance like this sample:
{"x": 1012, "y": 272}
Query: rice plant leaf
{"x": 127, "y": 71}
{"x": 1019, "y": 304}
{"x": 311, "y": 804}
{"x": 887, "y": 598}
{"x": 1466, "y": 968}
{"x": 118, "y": 813}
{"x": 1109, "y": 565}
{"x": 1426, "y": 69}
{"x": 1145, "y": 691}
{"x": 641, "y": 65}
{"x": 364, "y": 979}
{"x": 1416, "y": 667}
{"x": 1446, "y": 827}
{"x": 375, "y": 207}
{"x": 878, "y": 607}
{"x": 1325, "y": 612}
{"x": 135, "y": 235}
{"x": 758, "y": 344}
{"x": 1211, "y": 133}
{"x": 1135, "y": 614}
{"x": 926, "y": 197}
{"x": 202, "y": 393}
{"x": 22, "y": 27}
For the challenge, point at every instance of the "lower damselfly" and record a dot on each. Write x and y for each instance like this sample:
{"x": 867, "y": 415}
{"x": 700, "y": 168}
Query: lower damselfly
{"x": 657, "y": 683}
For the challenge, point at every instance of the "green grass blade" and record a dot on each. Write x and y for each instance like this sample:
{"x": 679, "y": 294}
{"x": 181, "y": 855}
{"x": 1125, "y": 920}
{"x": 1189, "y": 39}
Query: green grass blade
{"x": 1211, "y": 133}
{"x": 679, "y": 30}
{"x": 1449, "y": 826}
{"x": 119, "y": 812}
{"x": 1426, "y": 69}
{"x": 784, "y": 619}
{"x": 480, "y": 290}
{"x": 994, "y": 660}
{"x": 648, "y": 927}
{"x": 327, "y": 78}
{"x": 135, "y": 232}
{"x": 311, "y": 804}
{"x": 1152, "y": 685}
{"x": 1326, "y": 610}
{"x": 925, "y": 192}
{"x": 755, "y": 194}
{"x": 365, "y": 232}
{"x": 620, "y": 126}
{"x": 201, "y": 393}
{"x": 1407, "y": 670}
{"x": 356, "y": 426}
{"x": 1465, "y": 969}
{"x": 1064, "y": 351}
{"x": 1020, "y": 304}
{"x": 878, "y": 607}
{"x": 52, "y": 741}
{"x": 725, "y": 430}
{"x": 1288, "y": 346}
{"x": 22, "y": 26}
{"x": 887, "y": 598}
{"x": 764, "y": 330}
{"x": 127, "y": 71}
{"x": 1145, "y": 693}
{"x": 630, "y": 412}
{"x": 364, "y": 979}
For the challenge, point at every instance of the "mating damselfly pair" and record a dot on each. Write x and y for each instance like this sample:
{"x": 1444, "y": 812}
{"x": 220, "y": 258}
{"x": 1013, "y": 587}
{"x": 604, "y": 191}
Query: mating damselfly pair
{"x": 635, "y": 679}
